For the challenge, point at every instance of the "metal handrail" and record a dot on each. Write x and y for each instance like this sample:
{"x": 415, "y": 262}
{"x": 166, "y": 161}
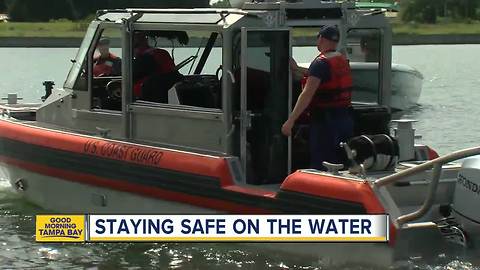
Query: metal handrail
{"x": 437, "y": 171}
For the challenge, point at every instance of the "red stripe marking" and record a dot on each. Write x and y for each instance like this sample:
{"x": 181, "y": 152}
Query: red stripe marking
{"x": 335, "y": 188}
{"x": 216, "y": 167}
{"x": 252, "y": 191}
{"x": 155, "y": 192}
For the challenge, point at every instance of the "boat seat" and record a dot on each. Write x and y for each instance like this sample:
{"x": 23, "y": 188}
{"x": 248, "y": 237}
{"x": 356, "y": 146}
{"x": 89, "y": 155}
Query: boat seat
{"x": 155, "y": 87}
{"x": 371, "y": 119}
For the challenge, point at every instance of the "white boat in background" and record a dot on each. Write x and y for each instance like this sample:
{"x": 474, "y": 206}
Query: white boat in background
{"x": 406, "y": 83}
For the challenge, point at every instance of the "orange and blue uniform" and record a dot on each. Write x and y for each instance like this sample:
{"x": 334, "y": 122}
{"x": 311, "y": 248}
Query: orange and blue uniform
{"x": 331, "y": 122}
{"x": 106, "y": 66}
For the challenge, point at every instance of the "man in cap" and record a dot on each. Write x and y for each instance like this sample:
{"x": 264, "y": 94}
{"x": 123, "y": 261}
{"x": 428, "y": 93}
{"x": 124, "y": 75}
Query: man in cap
{"x": 327, "y": 92}
{"x": 106, "y": 63}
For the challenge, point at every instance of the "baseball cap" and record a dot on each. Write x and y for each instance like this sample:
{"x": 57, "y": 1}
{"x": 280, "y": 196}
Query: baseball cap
{"x": 104, "y": 41}
{"x": 330, "y": 32}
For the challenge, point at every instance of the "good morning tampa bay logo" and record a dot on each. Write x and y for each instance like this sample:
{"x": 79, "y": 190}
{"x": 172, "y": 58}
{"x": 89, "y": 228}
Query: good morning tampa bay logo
{"x": 60, "y": 228}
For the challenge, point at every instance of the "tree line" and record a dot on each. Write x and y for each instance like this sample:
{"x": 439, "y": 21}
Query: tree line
{"x": 37, "y": 10}
{"x": 428, "y": 11}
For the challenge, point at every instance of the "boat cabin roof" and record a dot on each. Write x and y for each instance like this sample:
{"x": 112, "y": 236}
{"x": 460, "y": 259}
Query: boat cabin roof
{"x": 274, "y": 13}
{"x": 216, "y": 17}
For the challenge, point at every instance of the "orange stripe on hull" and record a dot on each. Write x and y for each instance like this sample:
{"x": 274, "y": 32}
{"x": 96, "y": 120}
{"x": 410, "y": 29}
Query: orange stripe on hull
{"x": 149, "y": 156}
{"x": 328, "y": 186}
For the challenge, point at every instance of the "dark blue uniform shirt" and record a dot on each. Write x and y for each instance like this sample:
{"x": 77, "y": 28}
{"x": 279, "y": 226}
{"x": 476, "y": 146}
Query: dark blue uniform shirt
{"x": 321, "y": 69}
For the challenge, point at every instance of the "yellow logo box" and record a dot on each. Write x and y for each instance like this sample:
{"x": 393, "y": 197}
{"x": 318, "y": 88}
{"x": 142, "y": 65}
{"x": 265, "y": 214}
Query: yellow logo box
{"x": 60, "y": 228}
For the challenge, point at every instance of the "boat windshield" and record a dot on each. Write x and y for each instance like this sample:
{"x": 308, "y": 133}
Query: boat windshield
{"x": 79, "y": 60}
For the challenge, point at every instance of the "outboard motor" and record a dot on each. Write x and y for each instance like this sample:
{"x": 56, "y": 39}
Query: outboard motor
{"x": 374, "y": 152}
{"x": 466, "y": 199}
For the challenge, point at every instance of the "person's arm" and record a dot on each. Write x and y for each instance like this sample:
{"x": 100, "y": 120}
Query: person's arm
{"x": 302, "y": 103}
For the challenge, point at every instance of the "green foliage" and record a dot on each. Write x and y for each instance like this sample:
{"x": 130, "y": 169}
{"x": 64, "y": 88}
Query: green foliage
{"x": 424, "y": 11}
{"x": 427, "y": 11}
{"x": 440, "y": 28}
{"x": 37, "y": 10}
{"x": 34, "y": 10}
{"x": 379, "y": 1}
{"x": 3, "y": 6}
{"x": 57, "y": 28}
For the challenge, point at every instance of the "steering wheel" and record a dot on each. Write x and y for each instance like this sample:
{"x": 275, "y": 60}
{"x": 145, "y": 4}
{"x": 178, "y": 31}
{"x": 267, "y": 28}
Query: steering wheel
{"x": 114, "y": 90}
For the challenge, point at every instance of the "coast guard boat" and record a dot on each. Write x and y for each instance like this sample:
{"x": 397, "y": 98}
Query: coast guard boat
{"x": 209, "y": 140}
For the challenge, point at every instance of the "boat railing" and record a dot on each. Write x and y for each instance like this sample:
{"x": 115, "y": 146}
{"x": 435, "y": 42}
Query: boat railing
{"x": 436, "y": 164}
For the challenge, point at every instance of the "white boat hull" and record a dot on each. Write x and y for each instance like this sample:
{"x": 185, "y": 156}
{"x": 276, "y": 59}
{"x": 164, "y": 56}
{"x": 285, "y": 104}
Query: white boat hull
{"x": 406, "y": 84}
{"x": 406, "y": 87}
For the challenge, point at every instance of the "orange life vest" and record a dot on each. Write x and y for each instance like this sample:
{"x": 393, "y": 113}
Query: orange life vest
{"x": 104, "y": 66}
{"x": 336, "y": 92}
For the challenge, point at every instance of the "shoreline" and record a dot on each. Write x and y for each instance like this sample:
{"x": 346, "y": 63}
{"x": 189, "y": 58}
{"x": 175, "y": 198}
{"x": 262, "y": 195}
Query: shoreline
{"x": 400, "y": 39}
{"x": 436, "y": 39}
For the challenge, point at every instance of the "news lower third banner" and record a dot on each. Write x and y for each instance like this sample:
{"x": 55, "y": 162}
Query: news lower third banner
{"x": 212, "y": 228}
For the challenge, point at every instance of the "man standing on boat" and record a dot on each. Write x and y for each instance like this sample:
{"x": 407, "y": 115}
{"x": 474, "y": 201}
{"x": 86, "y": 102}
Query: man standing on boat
{"x": 327, "y": 92}
{"x": 106, "y": 63}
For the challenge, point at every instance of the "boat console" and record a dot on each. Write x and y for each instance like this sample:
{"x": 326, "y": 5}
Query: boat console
{"x": 199, "y": 91}
{"x": 371, "y": 119}
{"x": 107, "y": 93}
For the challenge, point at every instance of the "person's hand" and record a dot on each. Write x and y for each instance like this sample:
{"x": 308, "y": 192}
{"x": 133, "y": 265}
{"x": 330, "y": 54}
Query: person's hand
{"x": 287, "y": 128}
{"x": 293, "y": 65}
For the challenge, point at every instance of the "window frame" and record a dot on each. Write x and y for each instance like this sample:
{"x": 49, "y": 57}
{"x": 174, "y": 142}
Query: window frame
{"x": 89, "y": 65}
{"x": 379, "y": 94}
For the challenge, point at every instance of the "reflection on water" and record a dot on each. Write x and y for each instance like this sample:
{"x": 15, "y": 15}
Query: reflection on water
{"x": 447, "y": 117}
{"x": 19, "y": 250}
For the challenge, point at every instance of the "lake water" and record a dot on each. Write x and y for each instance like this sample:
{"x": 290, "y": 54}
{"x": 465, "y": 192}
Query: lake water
{"x": 447, "y": 115}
